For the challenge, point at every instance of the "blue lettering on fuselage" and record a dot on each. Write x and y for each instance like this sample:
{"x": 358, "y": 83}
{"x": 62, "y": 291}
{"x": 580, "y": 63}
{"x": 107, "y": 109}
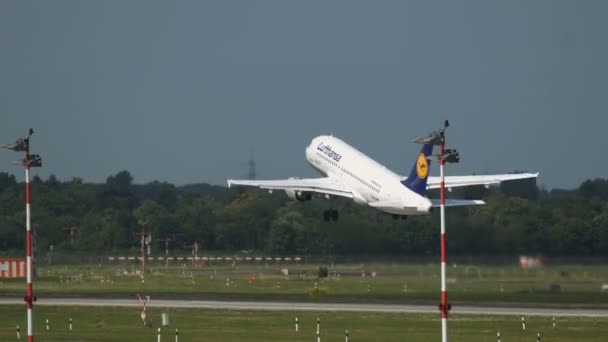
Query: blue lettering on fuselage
{"x": 326, "y": 149}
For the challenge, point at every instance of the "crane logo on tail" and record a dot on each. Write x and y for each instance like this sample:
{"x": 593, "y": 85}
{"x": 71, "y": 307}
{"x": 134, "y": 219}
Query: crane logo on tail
{"x": 422, "y": 166}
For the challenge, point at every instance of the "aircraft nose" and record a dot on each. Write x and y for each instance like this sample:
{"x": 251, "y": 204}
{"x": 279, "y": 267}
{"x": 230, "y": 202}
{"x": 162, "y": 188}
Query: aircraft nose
{"x": 310, "y": 148}
{"x": 309, "y": 151}
{"x": 313, "y": 142}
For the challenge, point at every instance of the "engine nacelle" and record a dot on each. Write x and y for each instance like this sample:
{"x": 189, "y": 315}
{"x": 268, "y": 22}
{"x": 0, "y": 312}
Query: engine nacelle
{"x": 298, "y": 195}
{"x": 359, "y": 199}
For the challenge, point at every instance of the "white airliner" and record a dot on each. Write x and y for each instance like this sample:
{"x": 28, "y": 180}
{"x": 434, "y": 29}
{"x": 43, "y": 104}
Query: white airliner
{"x": 350, "y": 173}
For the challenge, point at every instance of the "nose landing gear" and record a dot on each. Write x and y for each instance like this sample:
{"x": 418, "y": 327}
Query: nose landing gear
{"x": 331, "y": 215}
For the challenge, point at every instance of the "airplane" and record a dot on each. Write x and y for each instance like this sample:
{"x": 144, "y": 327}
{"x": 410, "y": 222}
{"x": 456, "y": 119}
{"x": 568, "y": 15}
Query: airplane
{"x": 349, "y": 173}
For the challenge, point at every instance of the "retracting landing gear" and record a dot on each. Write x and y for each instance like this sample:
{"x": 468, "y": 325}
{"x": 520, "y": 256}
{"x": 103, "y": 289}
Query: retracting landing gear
{"x": 331, "y": 214}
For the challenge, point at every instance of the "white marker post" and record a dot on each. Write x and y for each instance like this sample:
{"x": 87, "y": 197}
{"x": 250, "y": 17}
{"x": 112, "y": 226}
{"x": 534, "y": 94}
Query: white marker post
{"x": 498, "y": 336}
{"x": 18, "y": 334}
{"x": 523, "y": 323}
{"x": 318, "y": 330}
{"x": 346, "y": 336}
{"x": 554, "y": 323}
{"x": 70, "y": 323}
{"x": 158, "y": 335}
{"x": 297, "y": 324}
{"x": 143, "y": 303}
{"x": 47, "y": 325}
{"x": 176, "y": 335}
{"x": 165, "y": 319}
{"x": 537, "y": 337}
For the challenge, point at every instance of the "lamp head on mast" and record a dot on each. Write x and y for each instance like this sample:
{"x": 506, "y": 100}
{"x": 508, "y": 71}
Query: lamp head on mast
{"x": 21, "y": 145}
{"x": 437, "y": 138}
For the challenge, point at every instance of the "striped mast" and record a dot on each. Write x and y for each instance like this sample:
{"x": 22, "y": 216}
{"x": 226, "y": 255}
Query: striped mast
{"x": 29, "y": 298}
{"x": 445, "y": 156}
{"x": 31, "y": 160}
{"x": 443, "y": 307}
{"x": 142, "y": 222}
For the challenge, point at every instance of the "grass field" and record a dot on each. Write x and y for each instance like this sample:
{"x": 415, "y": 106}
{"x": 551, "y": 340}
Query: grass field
{"x": 123, "y": 324}
{"x": 555, "y": 285}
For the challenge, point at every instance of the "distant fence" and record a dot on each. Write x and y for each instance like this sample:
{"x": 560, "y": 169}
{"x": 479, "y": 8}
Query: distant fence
{"x": 208, "y": 258}
{"x": 62, "y": 257}
{"x": 12, "y": 268}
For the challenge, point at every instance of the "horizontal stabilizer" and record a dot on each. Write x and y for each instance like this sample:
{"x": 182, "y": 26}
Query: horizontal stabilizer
{"x": 486, "y": 180}
{"x": 456, "y": 202}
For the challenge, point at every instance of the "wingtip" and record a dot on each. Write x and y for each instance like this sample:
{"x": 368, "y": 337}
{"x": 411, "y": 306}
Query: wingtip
{"x": 529, "y": 174}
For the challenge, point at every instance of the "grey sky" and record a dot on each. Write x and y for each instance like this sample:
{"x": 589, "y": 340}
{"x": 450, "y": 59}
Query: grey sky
{"x": 181, "y": 91}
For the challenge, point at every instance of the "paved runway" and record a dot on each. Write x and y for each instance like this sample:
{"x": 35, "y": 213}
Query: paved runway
{"x": 285, "y": 306}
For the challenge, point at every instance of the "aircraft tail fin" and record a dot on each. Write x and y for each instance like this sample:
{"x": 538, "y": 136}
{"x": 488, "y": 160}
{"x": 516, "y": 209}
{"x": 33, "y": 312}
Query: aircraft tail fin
{"x": 419, "y": 175}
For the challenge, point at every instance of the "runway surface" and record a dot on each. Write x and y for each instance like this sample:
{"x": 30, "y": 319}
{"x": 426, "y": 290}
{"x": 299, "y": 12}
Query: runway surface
{"x": 285, "y": 306}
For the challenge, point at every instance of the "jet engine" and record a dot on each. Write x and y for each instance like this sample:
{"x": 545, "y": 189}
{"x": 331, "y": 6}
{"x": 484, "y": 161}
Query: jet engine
{"x": 298, "y": 195}
{"x": 357, "y": 198}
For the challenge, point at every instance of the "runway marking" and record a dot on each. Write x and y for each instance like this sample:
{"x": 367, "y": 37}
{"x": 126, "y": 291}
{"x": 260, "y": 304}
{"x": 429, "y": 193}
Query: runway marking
{"x": 327, "y": 307}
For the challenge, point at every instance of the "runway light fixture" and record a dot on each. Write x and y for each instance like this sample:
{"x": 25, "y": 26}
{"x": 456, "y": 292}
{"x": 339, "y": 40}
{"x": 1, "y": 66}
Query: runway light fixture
{"x": 21, "y": 145}
{"x": 434, "y": 138}
{"x": 33, "y": 161}
{"x": 451, "y": 156}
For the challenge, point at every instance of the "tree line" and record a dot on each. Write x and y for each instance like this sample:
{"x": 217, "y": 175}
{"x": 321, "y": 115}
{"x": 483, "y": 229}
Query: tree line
{"x": 518, "y": 218}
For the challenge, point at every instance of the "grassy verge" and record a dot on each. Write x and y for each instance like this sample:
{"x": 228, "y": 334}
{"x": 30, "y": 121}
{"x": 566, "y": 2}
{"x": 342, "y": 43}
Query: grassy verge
{"x": 120, "y": 324}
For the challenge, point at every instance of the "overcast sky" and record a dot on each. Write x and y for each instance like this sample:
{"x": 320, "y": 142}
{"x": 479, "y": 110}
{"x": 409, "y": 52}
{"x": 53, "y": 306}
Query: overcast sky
{"x": 183, "y": 91}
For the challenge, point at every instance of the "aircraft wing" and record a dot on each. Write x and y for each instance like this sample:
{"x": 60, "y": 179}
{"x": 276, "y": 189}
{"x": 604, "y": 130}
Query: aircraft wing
{"x": 458, "y": 181}
{"x": 319, "y": 185}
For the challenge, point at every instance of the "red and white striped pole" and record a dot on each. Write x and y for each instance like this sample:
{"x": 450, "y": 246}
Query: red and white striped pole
{"x": 29, "y": 297}
{"x": 31, "y": 160}
{"x": 195, "y": 254}
{"x": 166, "y": 252}
{"x": 445, "y": 156}
{"x": 444, "y": 293}
{"x": 143, "y": 250}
